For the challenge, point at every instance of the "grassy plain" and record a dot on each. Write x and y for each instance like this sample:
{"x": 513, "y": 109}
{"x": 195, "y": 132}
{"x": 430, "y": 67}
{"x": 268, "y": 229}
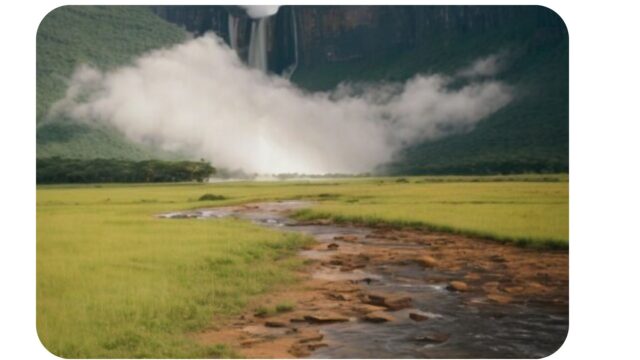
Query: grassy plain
{"x": 114, "y": 281}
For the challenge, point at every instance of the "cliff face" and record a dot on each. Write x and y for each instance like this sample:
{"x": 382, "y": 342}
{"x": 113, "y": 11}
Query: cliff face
{"x": 334, "y": 34}
{"x": 393, "y": 43}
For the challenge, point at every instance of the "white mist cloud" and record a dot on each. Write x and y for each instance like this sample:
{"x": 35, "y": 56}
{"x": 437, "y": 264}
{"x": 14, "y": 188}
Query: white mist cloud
{"x": 488, "y": 66}
{"x": 260, "y": 11}
{"x": 200, "y": 98}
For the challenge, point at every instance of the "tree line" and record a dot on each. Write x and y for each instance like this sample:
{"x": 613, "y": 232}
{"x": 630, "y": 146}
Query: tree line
{"x": 56, "y": 170}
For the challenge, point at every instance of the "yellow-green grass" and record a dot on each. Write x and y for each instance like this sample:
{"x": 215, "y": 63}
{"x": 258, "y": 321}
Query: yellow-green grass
{"x": 526, "y": 213}
{"x": 115, "y": 281}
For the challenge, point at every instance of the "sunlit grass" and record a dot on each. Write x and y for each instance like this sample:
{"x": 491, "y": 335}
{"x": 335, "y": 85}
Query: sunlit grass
{"x": 115, "y": 281}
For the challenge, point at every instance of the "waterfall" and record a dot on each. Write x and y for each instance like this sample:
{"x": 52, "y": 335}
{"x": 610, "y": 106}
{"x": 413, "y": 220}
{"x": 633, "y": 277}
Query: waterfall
{"x": 290, "y": 70}
{"x": 233, "y": 32}
{"x": 258, "y": 45}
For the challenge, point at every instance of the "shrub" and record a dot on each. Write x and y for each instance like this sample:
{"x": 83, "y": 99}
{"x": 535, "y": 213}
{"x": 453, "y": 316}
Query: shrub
{"x": 211, "y": 197}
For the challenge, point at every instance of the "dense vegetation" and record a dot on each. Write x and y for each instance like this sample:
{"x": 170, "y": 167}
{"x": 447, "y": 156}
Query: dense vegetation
{"x": 56, "y": 171}
{"x": 101, "y": 36}
{"x": 529, "y": 135}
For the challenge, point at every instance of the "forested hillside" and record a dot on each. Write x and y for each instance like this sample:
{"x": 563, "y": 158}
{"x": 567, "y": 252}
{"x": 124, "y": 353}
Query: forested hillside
{"x": 101, "y": 36}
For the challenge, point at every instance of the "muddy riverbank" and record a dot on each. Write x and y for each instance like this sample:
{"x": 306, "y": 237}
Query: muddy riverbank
{"x": 396, "y": 293}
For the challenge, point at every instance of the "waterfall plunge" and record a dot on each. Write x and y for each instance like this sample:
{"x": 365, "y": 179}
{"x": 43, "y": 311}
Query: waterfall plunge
{"x": 291, "y": 69}
{"x": 258, "y": 45}
{"x": 233, "y": 32}
{"x": 257, "y": 57}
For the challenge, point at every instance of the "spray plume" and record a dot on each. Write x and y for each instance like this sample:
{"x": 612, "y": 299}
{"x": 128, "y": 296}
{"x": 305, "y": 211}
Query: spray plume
{"x": 198, "y": 97}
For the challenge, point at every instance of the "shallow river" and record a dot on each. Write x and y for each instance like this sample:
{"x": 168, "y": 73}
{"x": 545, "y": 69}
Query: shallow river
{"x": 483, "y": 331}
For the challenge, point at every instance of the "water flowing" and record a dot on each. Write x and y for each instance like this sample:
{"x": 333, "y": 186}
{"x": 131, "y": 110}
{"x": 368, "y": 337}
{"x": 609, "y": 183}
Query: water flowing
{"x": 258, "y": 45}
{"x": 233, "y": 32}
{"x": 288, "y": 72}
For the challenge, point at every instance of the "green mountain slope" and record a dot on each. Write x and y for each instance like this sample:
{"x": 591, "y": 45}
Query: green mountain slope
{"x": 531, "y": 134}
{"x": 102, "y": 36}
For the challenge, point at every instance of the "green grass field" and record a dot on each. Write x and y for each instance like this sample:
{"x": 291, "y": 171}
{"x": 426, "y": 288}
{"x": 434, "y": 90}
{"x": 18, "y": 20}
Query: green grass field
{"x": 114, "y": 281}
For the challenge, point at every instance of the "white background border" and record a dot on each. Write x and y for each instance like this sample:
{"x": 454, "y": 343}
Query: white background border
{"x": 604, "y": 98}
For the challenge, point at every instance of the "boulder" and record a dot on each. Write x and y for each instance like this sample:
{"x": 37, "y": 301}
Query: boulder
{"x": 428, "y": 261}
{"x": 309, "y": 335}
{"x": 458, "y": 286}
{"x": 275, "y": 324}
{"x": 378, "y": 317}
{"x": 325, "y": 318}
{"x": 416, "y": 316}
{"x": 500, "y": 299}
{"x": 432, "y": 337}
{"x": 338, "y": 296}
{"x": 366, "y": 308}
{"x": 390, "y": 301}
{"x": 346, "y": 237}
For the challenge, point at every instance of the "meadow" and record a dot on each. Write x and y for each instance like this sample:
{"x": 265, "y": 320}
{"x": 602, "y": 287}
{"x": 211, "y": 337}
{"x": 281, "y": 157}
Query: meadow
{"x": 115, "y": 281}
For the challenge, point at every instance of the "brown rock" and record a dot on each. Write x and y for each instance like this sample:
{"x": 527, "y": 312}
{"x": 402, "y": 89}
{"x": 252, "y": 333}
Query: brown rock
{"x": 250, "y": 342}
{"x": 333, "y": 246}
{"x": 514, "y": 289}
{"x": 346, "y": 237}
{"x": 437, "y": 338}
{"x": 299, "y": 351}
{"x": 309, "y": 335}
{"x": 378, "y": 317}
{"x": 313, "y": 347}
{"x": 338, "y": 296}
{"x": 325, "y": 318}
{"x": 366, "y": 308}
{"x": 497, "y": 258}
{"x": 275, "y": 324}
{"x": 418, "y": 316}
{"x": 391, "y": 302}
{"x": 458, "y": 286}
{"x": 500, "y": 299}
{"x": 428, "y": 261}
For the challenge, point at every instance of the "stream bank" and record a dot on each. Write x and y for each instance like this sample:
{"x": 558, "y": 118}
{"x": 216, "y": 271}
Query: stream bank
{"x": 395, "y": 293}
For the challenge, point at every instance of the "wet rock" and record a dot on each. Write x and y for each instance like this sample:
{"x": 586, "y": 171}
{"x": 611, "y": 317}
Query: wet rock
{"x": 297, "y": 320}
{"x": 313, "y": 347}
{"x": 250, "y": 342}
{"x": 497, "y": 258}
{"x": 415, "y": 316}
{"x": 366, "y": 280}
{"x": 378, "y": 317}
{"x": 325, "y": 318}
{"x": 428, "y": 261}
{"x": 275, "y": 324}
{"x": 472, "y": 276}
{"x": 435, "y": 338}
{"x": 457, "y": 286}
{"x": 391, "y": 302}
{"x": 338, "y": 296}
{"x": 514, "y": 289}
{"x": 346, "y": 237}
{"x": 333, "y": 246}
{"x": 366, "y": 308}
{"x": 308, "y": 335}
{"x": 500, "y": 299}
{"x": 299, "y": 351}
